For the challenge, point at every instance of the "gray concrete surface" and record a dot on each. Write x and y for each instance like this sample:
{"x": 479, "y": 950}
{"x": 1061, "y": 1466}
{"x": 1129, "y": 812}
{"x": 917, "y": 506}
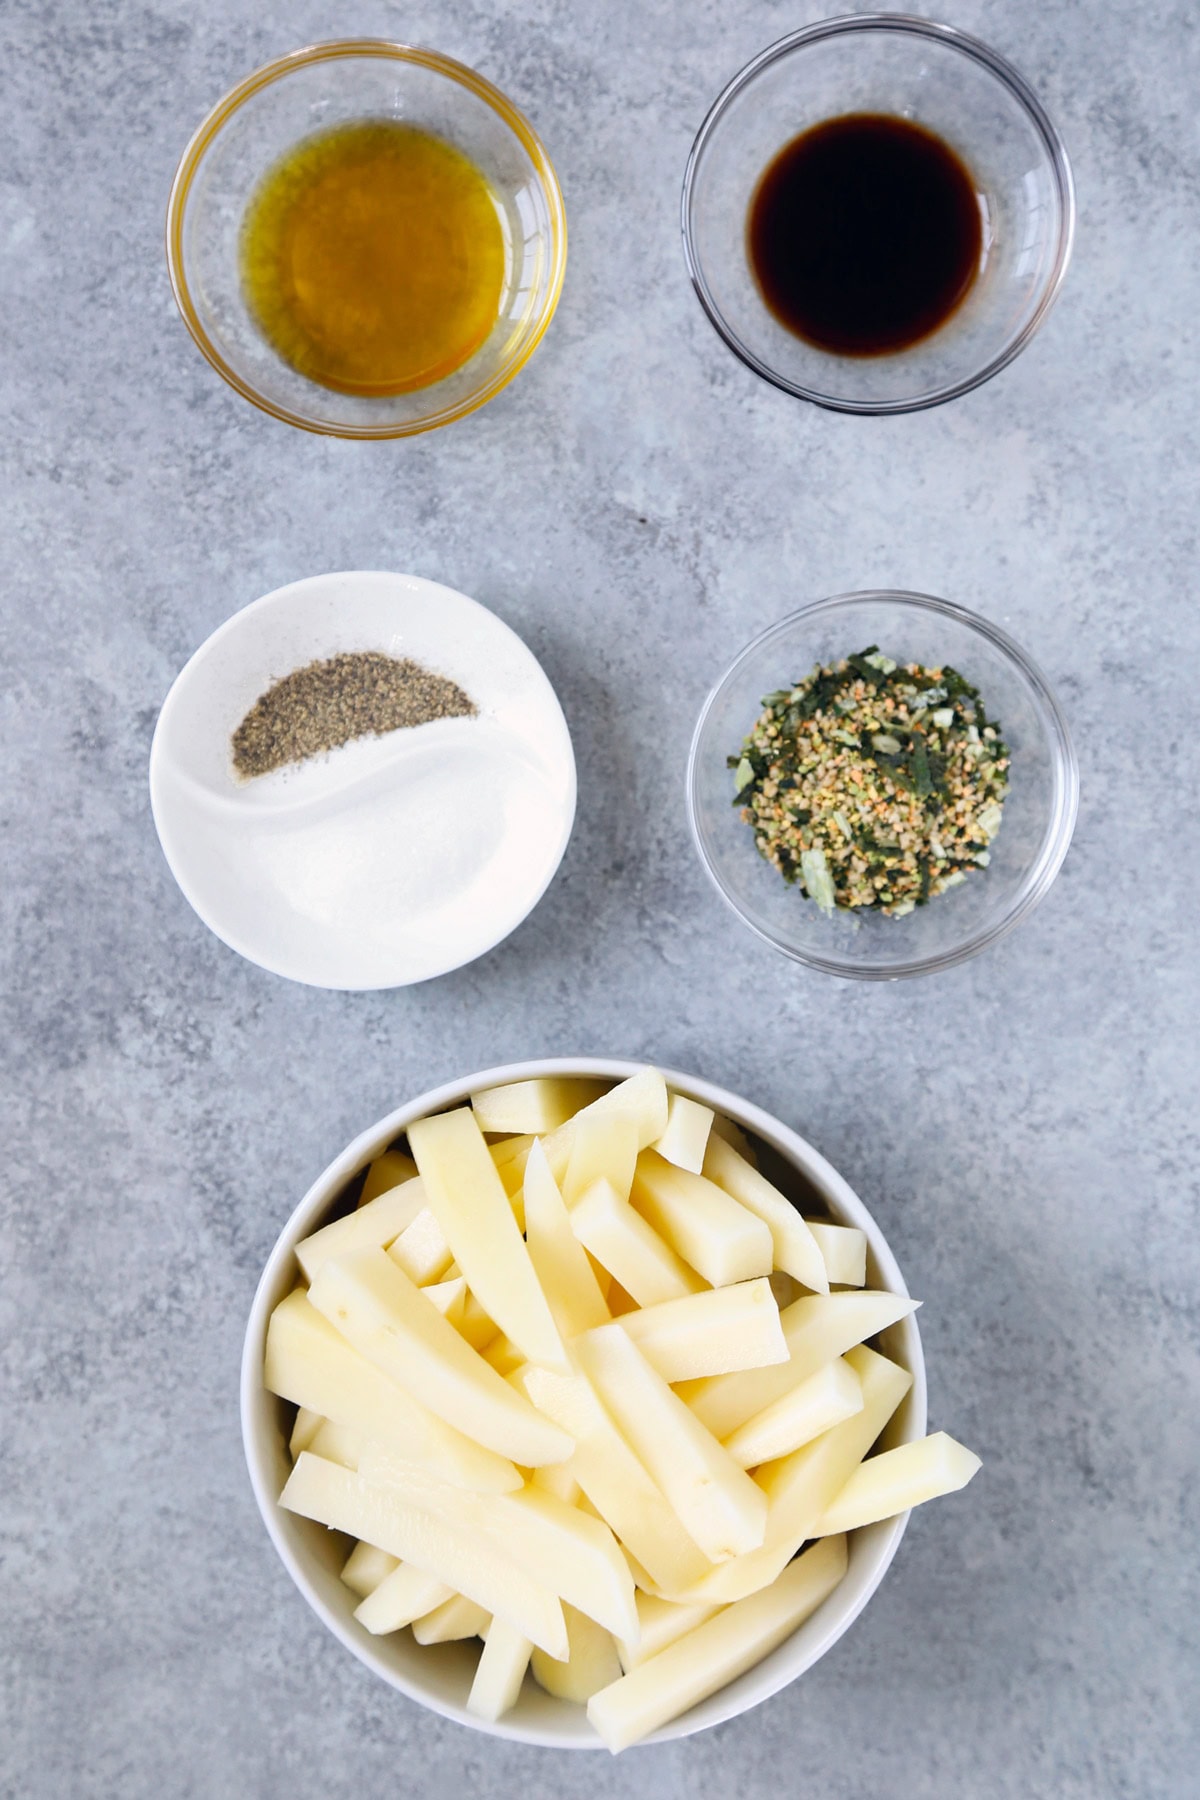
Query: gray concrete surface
{"x": 636, "y": 506}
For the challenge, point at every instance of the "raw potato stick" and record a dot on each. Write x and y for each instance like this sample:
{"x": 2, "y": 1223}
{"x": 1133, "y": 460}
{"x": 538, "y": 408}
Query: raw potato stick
{"x": 422, "y": 1250}
{"x": 454, "y": 1619}
{"x": 663, "y": 1622}
{"x": 536, "y": 1106}
{"x": 643, "y": 1097}
{"x": 559, "y": 1260}
{"x": 801, "y": 1486}
{"x": 843, "y": 1250}
{"x": 717, "y": 1652}
{"x": 365, "y": 1568}
{"x": 467, "y": 1198}
{"x": 466, "y": 1563}
{"x": 795, "y": 1247}
{"x": 562, "y": 1548}
{"x": 406, "y": 1594}
{"x": 710, "y": 1333}
{"x": 894, "y": 1480}
{"x": 817, "y": 1327}
{"x": 372, "y": 1227}
{"x": 834, "y": 1393}
{"x": 305, "y": 1429}
{"x": 387, "y": 1171}
{"x": 309, "y": 1362}
{"x": 389, "y": 1321}
{"x": 717, "y": 1503}
{"x": 631, "y": 1251}
{"x": 615, "y": 1482}
{"x": 604, "y": 1147}
{"x": 686, "y": 1137}
{"x": 500, "y": 1672}
{"x": 591, "y": 1662}
{"x": 712, "y": 1232}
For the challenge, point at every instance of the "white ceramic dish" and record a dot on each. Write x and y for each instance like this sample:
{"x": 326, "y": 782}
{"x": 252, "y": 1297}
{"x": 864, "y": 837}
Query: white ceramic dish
{"x": 439, "y": 1677}
{"x": 394, "y": 858}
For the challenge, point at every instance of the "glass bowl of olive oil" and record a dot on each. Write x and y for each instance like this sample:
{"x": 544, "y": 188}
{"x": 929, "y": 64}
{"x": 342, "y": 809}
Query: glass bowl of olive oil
{"x": 366, "y": 239}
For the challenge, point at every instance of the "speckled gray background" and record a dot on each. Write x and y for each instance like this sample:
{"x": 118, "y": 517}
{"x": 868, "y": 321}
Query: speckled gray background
{"x": 636, "y": 506}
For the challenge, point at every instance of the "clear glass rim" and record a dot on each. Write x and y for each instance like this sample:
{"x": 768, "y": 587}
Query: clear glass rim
{"x": 1056, "y": 838}
{"x": 337, "y": 50}
{"x": 903, "y": 24}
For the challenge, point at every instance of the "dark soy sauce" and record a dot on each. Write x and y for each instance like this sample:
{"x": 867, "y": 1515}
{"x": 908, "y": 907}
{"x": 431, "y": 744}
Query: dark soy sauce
{"x": 865, "y": 234}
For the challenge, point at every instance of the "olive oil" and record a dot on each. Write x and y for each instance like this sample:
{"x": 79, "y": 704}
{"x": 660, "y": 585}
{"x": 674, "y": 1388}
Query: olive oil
{"x": 373, "y": 258}
{"x": 865, "y": 234}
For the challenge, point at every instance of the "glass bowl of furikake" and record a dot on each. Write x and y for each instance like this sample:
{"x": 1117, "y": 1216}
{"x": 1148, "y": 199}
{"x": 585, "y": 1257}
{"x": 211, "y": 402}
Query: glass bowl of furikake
{"x": 852, "y": 816}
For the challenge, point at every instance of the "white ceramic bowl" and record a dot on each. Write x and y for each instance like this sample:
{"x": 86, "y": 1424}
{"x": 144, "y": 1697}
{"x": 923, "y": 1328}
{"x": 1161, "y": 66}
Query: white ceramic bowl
{"x": 439, "y": 1677}
{"x": 395, "y": 858}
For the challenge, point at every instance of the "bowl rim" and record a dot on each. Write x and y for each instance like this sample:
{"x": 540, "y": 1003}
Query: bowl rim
{"x": 905, "y": 24}
{"x": 1056, "y": 839}
{"x": 842, "y": 1201}
{"x": 336, "y": 49}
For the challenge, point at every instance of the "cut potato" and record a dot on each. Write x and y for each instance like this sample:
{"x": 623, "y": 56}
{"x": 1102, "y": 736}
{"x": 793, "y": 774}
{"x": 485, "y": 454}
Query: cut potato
{"x": 604, "y": 1147}
{"x": 716, "y": 1501}
{"x": 686, "y": 1137}
{"x": 591, "y": 1662}
{"x": 834, "y": 1393}
{"x": 663, "y": 1622}
{"x": 565, "y": 1550}
{"x": 500, "y": 1673}
{"x": 405, "y": 1594}
{"x": 309, "y": 1362}
{"x": 801, "y": 1486}
{"x": 468, "y": 1200}
{"x": 894, "y": 1480}
{"x": 735, "y": 1136}
{"x": 615, "y": 1482}
{"x": 631, "y": 1250}
{"x": 422, "y": 1250}
{"x": 450, "y": 1298}
{"x": 454, "y": 1619}
{"x": 539, "y": 1105}
{"x": 710, "y": 1333}
{"x": 338, "y": 1443}
{"x": 716, "y": 1652}
{"x": 372, "y": 1227}
{"x": 560, "y": 1262}
{"x": 843, "y": 1251}
{"x": 711, "y": 1232}
{"x": 818, "y": 1328}
{"x": 795, "y": 1248}
{"x": 504, "y": 1355}
{"x": 365, "y": 1568}
{"x": 387, "y": 1171}
{"x": 377, "y": 1309}
{"x": 475, "y": 1327}
{"x": 558, "y": 1478}
{"x": 467, "y": 1562}
{"x": 304, "y": 1430}
{"x": 643, "y": 1098}
{"x": 508, "y": 1156}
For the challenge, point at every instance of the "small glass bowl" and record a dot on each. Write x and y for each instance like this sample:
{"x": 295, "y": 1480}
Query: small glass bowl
{"x": 1039, "y": 813}
{"x": 955, "y": 87}
{"x": 309, "y": 91}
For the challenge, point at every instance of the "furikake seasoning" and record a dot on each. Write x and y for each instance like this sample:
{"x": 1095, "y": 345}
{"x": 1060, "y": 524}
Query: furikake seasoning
{"x": 873, "y": 783}
{"x": 326, "y": 704}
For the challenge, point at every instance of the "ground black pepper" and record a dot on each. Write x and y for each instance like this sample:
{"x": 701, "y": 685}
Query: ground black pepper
{"x": 325, "y": 704}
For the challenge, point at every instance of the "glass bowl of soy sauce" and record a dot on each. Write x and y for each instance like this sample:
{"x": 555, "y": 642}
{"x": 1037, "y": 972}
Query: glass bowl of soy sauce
{"x": 366, "y": 239}
{"x": 877, "y": 214}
